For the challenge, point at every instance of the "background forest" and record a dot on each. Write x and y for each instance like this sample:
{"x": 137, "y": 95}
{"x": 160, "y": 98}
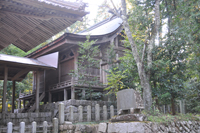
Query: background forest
{"x": 174, "y": 71}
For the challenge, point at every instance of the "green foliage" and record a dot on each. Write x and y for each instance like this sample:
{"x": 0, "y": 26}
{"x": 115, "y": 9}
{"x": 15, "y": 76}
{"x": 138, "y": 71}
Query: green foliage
{"x": 80, "y": 25}
{"x": 102, "y": 12}
{"x": 87, "y": 63}
{"x": 115, "y": 82}
{"x": 167, "y": 118}
{"x": 122, "y": 74}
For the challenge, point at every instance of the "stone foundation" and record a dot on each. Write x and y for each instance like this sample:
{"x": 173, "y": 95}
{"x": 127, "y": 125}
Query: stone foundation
{"x": 53, "y": 107}
{"x": 70, "y": 128}
{"x": 28, "y": 118}
{"x": 150, "y": 127}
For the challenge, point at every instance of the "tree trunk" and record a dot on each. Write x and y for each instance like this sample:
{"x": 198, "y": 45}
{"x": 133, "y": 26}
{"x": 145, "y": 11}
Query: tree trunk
{"x": 143, "y": 78}
{"x": 173, "y": 105}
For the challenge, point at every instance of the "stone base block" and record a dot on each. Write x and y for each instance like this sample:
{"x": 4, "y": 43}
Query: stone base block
{"x": 129, "y": 117}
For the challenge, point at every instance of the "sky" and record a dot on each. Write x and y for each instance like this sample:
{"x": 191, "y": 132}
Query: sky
{"x": 93, "y": 6}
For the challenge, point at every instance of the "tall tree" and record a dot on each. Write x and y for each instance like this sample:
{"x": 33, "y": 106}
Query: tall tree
{"x": 139, "y": 57}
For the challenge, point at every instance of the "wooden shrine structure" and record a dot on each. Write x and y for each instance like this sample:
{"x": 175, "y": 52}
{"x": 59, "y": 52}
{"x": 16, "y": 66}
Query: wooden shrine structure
{"x": 57, "y": 84}
{"x": 26, "y": 24}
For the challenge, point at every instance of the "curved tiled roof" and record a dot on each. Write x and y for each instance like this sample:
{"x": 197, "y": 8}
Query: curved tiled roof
{"x": 106, "y": 28}
{"x": 27, "y": 23}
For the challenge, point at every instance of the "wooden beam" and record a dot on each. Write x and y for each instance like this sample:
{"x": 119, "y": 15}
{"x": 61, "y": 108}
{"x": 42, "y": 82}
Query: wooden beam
{"x": 19, "y": 74}
{"x": 5, "y": 89}
{"x": 13, "y": 97}
{"x": 37, "y": 103}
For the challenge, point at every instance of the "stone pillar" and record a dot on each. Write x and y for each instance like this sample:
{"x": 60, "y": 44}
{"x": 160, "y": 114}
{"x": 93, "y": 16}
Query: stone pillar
{"x": 80, "y": 112}
{"x": 9, "y": 127}
{"x": 6, "y": 107}
{"x": 164, "y": 109}
{"x": 34, "y": 127}
{"x": 131, "y": 110}
{"x": 13, "y": 96}
{"x": 182, "y": 106}
{"x": 183, "y": 103}
{"x": 55, "y": 125}
{"x": 65, "y": 95}
{"x": 22, "y": 127}
{"x": 168, "y": 108}
{"x": 50, "y": 97}
{"x": 37, "y": 102}
{"x": 105, "y": 113}
{"x": 89, "y": 113}
{"x": 111, "y": 111}
{"x": 83, "y": 93}
{"x": 72, "y": 93}
{"x": 97, "y": 112}
{"x": 19, "y": 104}
{"x": 61, "y": 113}
{"x": 4, "y": 89}
{"x": 71, "y": 112}
{"x": 154, "y": 108}
{"x": 45, "y": 127}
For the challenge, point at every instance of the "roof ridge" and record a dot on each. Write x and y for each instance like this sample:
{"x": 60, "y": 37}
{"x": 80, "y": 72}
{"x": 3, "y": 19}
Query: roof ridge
{"x": 98, "y": 24}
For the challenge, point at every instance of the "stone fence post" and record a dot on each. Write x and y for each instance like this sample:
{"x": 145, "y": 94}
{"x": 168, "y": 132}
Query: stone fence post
{"x": 9, "y": 127}
{"x": 105, "y": 113}
{"x": 34, "y": 126}
{"x": 80, "y": 112}
{"x": 89, "y": 113}
{"x": 22, "y": 127}
{"x": 55, "y": 125}
{"x": 71, "y": 112}
{"x": 61, "y": 113}
{"x": 111, "y": 111}
{"x": 97, "y": 112}
{"x": 45, "y": 127}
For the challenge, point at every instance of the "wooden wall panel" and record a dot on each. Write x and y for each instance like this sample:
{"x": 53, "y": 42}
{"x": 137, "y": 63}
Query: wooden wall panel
{"x": 66, "y": 68}
{"x": 51, "y": 78}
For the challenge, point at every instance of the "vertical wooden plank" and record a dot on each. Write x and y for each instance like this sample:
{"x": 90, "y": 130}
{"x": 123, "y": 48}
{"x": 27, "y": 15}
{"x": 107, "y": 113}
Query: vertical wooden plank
{"x": 5, "y": 89}
{"x": 37, "y": 92}
{"x": 59, "y": 72}
{"x": 50, "y": 97}
{"x": 13, "y": 96}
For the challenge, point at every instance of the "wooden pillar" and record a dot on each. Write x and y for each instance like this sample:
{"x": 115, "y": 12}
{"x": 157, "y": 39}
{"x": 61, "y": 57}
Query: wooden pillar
{"x": 50, "y": 97}
{"x": 5, "y": 89}
{"x": 59, "y": 72}
{"x": 37, "y": 102}
{"x": 45, "y": 100}
{"x": 13, "y": 96}
{"x": 116, "y": 45}
{"x": 100, "y": 69}
{"x": 76, "y": 63}
{"x": 65, "y": 95}
{"x": 72, "y": 92}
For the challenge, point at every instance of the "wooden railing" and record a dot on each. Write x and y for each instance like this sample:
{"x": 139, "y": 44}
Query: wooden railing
{"x": 25, "y": 94}
{"x": 73, "y": 82}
